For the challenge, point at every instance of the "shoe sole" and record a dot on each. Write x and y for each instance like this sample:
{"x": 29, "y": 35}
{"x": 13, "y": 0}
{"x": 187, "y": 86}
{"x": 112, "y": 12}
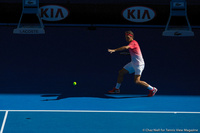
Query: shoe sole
{"x": 114, "y": 92}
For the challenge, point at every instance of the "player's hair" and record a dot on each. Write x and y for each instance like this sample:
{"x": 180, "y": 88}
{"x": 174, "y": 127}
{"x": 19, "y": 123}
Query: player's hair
{"x": 130, "y": 32}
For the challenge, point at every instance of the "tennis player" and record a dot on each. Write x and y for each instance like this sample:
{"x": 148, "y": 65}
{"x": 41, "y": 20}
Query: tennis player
{"x": 135, "y": 66}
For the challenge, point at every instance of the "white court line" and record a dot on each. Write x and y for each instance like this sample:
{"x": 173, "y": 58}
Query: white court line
{"x": 99, "y": 111}
{"x": 4, "y": 122}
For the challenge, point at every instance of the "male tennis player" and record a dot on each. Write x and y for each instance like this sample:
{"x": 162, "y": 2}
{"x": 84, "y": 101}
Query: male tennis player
{"x": 135, "y": 66}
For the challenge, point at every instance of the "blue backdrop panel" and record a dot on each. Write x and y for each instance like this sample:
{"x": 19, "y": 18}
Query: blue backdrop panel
{"x": 51, "y": 62}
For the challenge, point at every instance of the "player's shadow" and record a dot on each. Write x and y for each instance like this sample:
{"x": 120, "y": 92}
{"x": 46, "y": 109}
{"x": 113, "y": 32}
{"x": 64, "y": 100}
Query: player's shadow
{"x": 92, "y": 93}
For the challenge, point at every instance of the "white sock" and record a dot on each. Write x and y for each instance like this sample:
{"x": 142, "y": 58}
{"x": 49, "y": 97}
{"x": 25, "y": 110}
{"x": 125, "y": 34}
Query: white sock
{"x": 150, "y": 87}
{"x": 117, "y": 85}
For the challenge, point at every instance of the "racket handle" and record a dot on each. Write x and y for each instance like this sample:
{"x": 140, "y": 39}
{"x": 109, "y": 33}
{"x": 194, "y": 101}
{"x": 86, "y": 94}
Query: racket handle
{"x": 124, "y": 53}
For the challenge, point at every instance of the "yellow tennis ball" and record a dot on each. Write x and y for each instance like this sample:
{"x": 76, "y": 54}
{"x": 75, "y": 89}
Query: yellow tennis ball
{"x": 74, "y": 83}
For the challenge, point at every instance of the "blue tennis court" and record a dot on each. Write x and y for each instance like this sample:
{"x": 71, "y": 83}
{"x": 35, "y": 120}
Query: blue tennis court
{"x": 99, "y": 122}
{"x": 115, "y": 113}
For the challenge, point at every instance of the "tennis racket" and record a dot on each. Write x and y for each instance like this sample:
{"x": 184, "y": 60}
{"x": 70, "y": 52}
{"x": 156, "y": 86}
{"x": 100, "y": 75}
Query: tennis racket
{"x": 124, "y": 53}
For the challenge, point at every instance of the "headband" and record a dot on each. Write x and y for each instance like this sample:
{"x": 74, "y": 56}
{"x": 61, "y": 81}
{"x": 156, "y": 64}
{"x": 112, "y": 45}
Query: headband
{"x": 128, "y": 34}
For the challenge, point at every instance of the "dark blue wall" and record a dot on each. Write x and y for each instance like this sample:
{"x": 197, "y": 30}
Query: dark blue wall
{"x": 50, "y": 63}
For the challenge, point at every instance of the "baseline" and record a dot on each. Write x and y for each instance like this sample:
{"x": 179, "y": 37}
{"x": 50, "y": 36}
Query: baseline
{"x": 101, "y": 111}
{"x": 4, "y": 122}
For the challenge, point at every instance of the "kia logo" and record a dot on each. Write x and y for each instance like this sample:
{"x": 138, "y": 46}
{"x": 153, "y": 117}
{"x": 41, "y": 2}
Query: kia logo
{"x": 138, "y": 14}
{"x": 53, "y": 13}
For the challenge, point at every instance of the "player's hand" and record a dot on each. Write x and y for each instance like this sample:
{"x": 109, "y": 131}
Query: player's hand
{"x": 111, "y": 51}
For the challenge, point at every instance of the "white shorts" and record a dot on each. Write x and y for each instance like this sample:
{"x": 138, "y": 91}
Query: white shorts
{"x": 134, "y": 69}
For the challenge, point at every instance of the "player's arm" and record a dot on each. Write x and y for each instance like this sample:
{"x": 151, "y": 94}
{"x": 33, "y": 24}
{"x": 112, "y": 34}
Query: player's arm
{"x": 119, "y": 49}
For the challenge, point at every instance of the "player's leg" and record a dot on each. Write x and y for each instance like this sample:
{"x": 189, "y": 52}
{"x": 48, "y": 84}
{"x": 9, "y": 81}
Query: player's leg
{"x": 128, "y": 68}
{"x": 138, "y": 73}
{"x": 139, "y": 82}
{"x": 121, "y": 74}
{"x": 152, "y": 90}
{"x": 120, "y": 79}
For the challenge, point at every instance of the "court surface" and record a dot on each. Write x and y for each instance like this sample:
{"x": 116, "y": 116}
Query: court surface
{"x": 121, "y": 113}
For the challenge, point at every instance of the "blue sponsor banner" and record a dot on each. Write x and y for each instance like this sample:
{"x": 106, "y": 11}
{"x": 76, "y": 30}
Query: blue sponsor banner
{"x": 136, "y": 14}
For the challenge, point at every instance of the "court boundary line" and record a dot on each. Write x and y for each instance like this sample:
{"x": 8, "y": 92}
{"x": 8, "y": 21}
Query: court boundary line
{"x": 102, "y": 111}
{"x": 4, "y": 121}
